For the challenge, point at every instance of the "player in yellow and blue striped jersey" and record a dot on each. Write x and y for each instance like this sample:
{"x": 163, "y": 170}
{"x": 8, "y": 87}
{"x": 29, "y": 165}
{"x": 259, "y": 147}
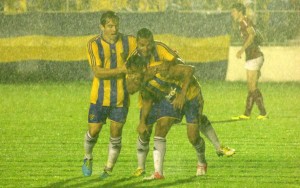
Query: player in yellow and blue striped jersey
{"x": 107, "y": 54}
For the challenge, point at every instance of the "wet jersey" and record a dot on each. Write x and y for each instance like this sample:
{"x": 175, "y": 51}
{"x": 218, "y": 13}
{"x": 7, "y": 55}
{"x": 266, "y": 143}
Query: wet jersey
{"x": 110, "y": 92}
{"x": 253, "y": 51}
{"x": 163, "y": 88}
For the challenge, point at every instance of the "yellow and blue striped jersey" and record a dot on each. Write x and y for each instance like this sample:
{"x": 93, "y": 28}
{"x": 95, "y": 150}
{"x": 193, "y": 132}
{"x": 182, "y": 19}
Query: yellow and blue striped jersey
{"x": 167, "y": 88}
{"x": 110, "y": 92}
{"x": 160, "y": 86}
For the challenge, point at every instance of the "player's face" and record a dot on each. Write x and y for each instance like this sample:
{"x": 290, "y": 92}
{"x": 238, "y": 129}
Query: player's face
{"x": 133, "y": 82}
{"x": 145, "y": 45}
{"x": 235, "y": 14}
{"x": 110, "y": 30}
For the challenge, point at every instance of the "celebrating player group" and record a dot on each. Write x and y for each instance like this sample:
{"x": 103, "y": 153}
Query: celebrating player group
{"x": 168, "y": 91}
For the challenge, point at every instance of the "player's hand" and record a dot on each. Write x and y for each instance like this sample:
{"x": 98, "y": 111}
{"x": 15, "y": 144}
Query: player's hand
{"x": 123, "y": 69}
{"x": 179, "y": 101}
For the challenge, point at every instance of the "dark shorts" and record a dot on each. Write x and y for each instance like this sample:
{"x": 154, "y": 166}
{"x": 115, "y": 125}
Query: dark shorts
{"x": 163, "y": 109}
{"x": 99, "y": 114}
{"x": 192, "y": 110}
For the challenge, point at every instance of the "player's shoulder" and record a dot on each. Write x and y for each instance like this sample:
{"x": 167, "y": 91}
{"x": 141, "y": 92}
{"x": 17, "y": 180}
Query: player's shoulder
{"x": 93, "y": 40}
{"x": 130, "y": 37}
{"x": 160, "y": 46}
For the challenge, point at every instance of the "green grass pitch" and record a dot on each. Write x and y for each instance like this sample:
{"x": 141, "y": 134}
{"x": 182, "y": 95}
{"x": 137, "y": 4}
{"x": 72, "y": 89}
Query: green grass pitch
{"x": 42, "y": 128}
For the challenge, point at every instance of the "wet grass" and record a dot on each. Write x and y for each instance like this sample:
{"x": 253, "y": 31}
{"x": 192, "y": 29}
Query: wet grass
{"x": 42, "y": 128}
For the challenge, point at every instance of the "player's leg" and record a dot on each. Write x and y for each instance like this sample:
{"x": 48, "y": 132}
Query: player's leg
{"x": 205, "y": 126}
{"x": 166, "y": 116}
{"x": 253, "y": 73}
{"x": 199, "y": 144}
{"x": 143, "y": 142}
{"x": 209, "y": 132}
{"x": 96, "y": 119}
{"x": 118, "y": 117}
{"x": 161, "y": 130}
{"x": 142, "y": 150}
{"x": 252, "y": 78}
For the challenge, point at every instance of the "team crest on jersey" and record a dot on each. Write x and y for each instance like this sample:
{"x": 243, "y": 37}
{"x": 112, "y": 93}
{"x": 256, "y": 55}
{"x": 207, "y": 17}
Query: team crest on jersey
{"x": 170, "y": 97}
{"x": 92, "y": 117}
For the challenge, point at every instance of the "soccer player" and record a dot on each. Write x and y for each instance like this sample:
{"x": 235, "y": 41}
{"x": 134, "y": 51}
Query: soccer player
{"x": 165, "y": 82}
{"x": 107, "y": 54}
{"x": 254, "y": 61}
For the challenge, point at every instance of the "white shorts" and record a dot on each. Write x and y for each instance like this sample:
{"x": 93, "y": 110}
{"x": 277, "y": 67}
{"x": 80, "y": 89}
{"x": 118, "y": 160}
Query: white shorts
{"x": 254, "y": 64}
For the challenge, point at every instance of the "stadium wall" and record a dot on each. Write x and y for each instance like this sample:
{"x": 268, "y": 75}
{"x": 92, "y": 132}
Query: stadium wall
{"x": 282, "y": 64}
{"x": 40, "y": 46}
{"x": 52, "y": 46}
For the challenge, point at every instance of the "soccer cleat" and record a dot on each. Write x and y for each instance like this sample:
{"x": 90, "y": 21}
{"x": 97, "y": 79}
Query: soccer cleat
{"x": 228, "y": 152}
{"x": 105, "y": 174}
{"x": 87, "y": 167}
{"x": 201, "y": 169}
{"x": 241, "y": 117}
{"x": 262, "y": 117}
{"x": 139, "y": 172}
{"x": 155, "y": 176}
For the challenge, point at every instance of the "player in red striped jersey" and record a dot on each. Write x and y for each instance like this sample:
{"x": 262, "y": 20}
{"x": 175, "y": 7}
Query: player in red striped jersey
{"x": 254, "y": 60}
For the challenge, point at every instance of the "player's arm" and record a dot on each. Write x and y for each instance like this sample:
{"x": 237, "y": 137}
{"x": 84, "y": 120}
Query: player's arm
{"x": 248, "y": 42}
{"x": 147, "y": 102}
{"x": 108, "y": 73}
{"x": 184, "y": 73}
{"x": 95, "y": 64}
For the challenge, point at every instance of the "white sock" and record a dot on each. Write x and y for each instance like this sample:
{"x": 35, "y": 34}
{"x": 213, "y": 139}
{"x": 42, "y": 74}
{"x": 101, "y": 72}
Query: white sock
{"x": 200, "y": 150}
{"x": 142, "y": 152}
{"x": 89, "y": 143}
{"x": 159, "y": 153}
{"x": 114, "y": 149}
{"x": 207, "y": 129}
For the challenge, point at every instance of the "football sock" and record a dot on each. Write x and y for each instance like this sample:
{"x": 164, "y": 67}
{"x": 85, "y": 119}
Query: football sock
{"x": 159, "y": 153}
{"x": 249, "y": 103}
{"x": 114, "y": 149}
{"x": 209, "y": 132}
{"x": 142, "y": 152}
{"x": 89, "y": 143}
{"x": 200, "y": 150}
{"x": 259, "y": 102}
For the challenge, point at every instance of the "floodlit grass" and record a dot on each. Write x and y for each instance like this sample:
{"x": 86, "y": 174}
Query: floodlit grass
{"x": 42, "y": 128}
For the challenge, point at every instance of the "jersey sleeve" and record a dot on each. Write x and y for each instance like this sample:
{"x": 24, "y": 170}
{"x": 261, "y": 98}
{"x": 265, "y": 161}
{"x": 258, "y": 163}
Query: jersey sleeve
{"x": 165, "y": 53}
{"x": 92, "y": 54}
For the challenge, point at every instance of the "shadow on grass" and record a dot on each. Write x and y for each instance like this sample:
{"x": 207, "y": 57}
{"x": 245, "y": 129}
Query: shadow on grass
{"x": 218, "y": 121}
{"x": 227, "y": 121}
{"x": 119, "y": 183}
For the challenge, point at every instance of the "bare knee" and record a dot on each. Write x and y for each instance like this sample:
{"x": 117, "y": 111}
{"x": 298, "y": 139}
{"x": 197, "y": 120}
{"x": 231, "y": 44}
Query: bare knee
{"x": 162, "y": 127}
{"x": 193, "y": 133}
{"x": 94, "y": 129}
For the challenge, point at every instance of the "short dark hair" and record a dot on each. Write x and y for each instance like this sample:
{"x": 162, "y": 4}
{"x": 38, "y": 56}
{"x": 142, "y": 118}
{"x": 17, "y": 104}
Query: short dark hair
{"x": 108, "y": 15}
{"x": 136, "y": 63}
{"x": 144, "y": 33}
{"x": 239, "y": 7}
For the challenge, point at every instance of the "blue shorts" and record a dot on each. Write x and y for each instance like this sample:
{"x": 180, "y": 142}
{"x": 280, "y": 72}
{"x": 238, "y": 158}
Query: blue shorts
{"x": 152, "y": 117}
{"x": 99, "y": 114}
{"x": 162, "y": 109}
{"x": 192, "y": 110}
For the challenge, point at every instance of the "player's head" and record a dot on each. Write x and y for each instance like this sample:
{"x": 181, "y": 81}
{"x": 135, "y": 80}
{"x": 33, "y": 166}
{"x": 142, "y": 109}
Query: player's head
{"x": 136, "y": 67}
{"x": 109, "y": 25}
{"x": 238, "y": 10}
{"x": 145, "y": 42}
